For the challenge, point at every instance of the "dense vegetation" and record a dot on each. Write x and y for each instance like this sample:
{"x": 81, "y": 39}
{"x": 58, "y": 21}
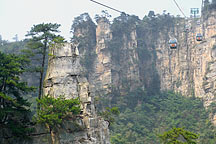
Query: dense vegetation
{"x": 146, "y": 112}
{"x": 54, "y": 110}
{"x": 155, "y": 114}
{"x": 84, "y": 34}
{"x": 15, "y": 94}
{"x": 14, "y": 109}
{"x": 178, "y": 136}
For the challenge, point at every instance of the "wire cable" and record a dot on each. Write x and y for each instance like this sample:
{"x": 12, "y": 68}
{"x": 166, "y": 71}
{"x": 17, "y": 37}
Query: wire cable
{"x": 179, "y": 8}
{"x": 107, "y": 6}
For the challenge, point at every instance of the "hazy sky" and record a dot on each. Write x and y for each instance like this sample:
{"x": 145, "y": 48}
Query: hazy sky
{"x": 18, "y": 16}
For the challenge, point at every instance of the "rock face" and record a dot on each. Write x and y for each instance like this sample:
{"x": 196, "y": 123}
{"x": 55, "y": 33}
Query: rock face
{"x": 108, "y": 72}
{"x": 64, "y": 78}
{"x": 190, "y": 69}
{"x": 102, "y": 77}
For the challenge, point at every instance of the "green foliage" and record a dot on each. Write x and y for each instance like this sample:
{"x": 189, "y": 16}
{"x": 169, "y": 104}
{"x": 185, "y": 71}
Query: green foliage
{"x": 84, "y": 34}
{"x": 118, "y": 139}
{"x": 147, "y": 31}
{"x": 84, "y": 30}
{"x": 109, "y": 114}
{"x": 14, "y": 109}
{"x": 88, "y": 61}
{"x": 41, "y": 37}
{"x": 121, "y": 27}
{"x": 12, "y": 47}
{"x": 54, "y": 110}
{"x": 141, "y": 121}
{"x": 178, "y": 136}
{"x": 104, "y": 15}
{"x": 82, "y": 22}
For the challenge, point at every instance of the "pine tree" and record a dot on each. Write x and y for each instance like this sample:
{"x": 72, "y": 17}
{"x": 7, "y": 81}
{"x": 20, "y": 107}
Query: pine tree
{"x": 14, "y": 109}
{"x": 42, "y": 36}
{"x": 178, "y": 136}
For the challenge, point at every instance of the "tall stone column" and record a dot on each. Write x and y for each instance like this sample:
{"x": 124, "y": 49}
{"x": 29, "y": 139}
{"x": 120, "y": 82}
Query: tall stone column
{"x": 64, "y": 77}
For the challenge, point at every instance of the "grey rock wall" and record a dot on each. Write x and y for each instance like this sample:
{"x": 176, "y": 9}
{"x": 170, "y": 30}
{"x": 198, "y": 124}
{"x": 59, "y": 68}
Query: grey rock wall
{"x": 64, "y": 78}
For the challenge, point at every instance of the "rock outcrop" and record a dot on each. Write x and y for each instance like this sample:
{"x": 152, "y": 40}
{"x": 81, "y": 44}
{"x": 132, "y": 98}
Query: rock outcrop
{"x": 190, "y": 69}
{"x": 109, "y": 72}
{"x": 102, "y": 77}
{"x": 64, "y": 78}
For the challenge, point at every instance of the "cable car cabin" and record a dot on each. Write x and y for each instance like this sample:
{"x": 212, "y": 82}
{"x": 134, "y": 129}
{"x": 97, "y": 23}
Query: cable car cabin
{"x": 187, "y": 28}
{"x": 173, "y": 43}
{"x": 199, "y": 37}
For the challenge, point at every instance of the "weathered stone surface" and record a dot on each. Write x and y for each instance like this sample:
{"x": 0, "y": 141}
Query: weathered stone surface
{"x": 190, "y": 69}
{"x": 102, "y": 68}
{"x": 64, "y": 77}
{"x": 107, "y": 72}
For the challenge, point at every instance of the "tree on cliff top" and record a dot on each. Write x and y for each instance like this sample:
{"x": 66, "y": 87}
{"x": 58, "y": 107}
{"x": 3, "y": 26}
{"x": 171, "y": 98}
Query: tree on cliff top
{"x": 82, "y": 21}
{"x": 42, "y": 36}
{"x": 104, "y": 15}
{"x": 84, "y": 34}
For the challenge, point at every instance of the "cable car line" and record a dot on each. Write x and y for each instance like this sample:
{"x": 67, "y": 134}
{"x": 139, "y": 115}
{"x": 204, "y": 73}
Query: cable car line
{"x": 173, "y": 41}
{"x": 107, "y": 6}
{"x": 179, "y": 8}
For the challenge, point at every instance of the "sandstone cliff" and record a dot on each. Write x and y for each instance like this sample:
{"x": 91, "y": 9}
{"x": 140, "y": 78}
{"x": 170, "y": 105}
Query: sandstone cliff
{"x": 64, "y": 78}
{"x": 114, "y": 67}
{"x": 190, "y": 68}
{"x": 139, "y": 56}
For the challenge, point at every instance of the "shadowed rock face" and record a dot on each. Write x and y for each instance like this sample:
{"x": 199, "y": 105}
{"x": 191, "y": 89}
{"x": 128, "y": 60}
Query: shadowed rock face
{"x": 190, "y": 69}
{"x": 108, "y": 72}
{"x": 64, "y": 77}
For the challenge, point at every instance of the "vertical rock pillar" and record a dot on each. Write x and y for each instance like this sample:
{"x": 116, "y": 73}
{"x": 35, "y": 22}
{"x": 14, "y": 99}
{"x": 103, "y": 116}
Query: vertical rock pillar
{"x": 64, "y": 77}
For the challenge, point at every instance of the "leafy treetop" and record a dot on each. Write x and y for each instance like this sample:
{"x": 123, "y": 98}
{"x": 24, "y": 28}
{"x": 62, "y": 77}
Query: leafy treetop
{"x": 178, "y": 136}
{"x": 54, "y": 110}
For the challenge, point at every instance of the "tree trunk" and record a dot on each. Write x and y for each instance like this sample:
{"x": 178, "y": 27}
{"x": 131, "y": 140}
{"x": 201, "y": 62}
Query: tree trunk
{"x": 40, "y": 88}
{"x": 54, "y": 136}
{"x": 42, "y": 72}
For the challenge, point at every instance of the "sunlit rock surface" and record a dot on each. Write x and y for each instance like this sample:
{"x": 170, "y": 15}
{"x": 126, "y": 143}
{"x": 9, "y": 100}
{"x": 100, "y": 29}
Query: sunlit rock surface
{"x": 64, "y": 77}
{"x": 190, "y": 69}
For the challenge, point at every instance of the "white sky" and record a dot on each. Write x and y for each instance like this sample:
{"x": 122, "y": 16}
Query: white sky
{"x": 18, "y": 16}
